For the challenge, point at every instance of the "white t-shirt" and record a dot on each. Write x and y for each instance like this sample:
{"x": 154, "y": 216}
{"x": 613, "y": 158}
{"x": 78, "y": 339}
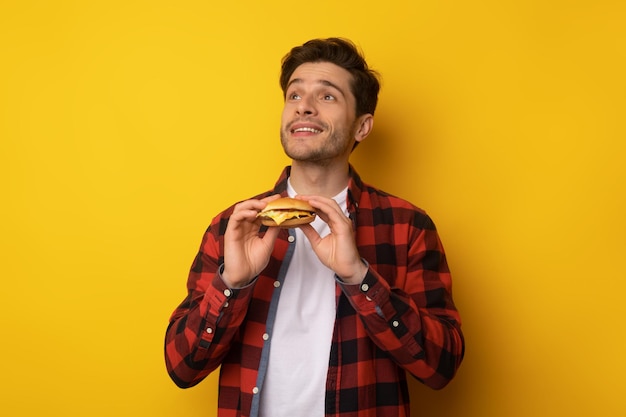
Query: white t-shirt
{"x": 295, "y": 383}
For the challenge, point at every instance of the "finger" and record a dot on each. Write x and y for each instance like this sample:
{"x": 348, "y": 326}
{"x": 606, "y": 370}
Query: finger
{"x": 247, "y": 210}
{"x": 271, "y": 198}
{"x": 253, "y": 204}
{"x": 266, "y": 200}
{"x": 325, "y": 204}
{"x": 327, "y": 209}
{"x": 244, "y": 215}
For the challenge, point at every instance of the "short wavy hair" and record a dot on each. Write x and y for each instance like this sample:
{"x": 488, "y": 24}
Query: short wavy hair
{"x": 342, "y": 52}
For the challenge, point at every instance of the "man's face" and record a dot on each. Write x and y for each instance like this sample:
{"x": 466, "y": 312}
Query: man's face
{"x": 319, "y": 118}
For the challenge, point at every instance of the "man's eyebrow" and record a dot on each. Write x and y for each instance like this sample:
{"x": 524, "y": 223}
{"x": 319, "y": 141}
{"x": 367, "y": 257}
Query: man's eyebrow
{"x": 323, "y": 82}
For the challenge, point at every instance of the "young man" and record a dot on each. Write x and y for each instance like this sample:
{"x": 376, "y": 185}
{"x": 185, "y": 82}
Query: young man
{"x": 326, "y": 318}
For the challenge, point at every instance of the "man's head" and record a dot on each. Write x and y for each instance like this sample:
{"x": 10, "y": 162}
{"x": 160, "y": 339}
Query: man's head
{"x": 343, "y": 53}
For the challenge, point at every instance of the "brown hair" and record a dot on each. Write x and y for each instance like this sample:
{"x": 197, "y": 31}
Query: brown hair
{"x": 365, "y": 83}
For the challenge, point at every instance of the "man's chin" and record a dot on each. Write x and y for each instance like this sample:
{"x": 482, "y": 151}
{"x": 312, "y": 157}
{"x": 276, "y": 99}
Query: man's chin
{"x": 305, "y": 157}
{"x": 299, "y": 152}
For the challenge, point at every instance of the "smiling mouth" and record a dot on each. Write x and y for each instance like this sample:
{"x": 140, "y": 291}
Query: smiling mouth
{"x": 306, "y": 130}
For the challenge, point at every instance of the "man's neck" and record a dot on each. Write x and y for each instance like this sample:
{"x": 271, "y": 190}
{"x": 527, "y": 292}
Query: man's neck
{"x": 324, "y": 181}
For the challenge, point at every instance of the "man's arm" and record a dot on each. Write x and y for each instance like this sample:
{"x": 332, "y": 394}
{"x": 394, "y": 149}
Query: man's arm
{"x": 203, "y": 326}
{"x": 416, "y": 321}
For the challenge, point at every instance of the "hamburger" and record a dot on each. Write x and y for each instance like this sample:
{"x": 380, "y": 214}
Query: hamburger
{"x": 287, "y": 212}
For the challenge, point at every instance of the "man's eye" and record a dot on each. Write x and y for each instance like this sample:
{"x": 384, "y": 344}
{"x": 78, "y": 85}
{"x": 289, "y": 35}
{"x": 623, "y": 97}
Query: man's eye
{"x": 294, "y": 96}
{"x": 328, "y": 97}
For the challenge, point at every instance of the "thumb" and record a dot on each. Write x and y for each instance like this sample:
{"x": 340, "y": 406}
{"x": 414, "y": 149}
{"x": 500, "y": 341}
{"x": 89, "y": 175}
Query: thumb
{"x": 271, "y": 234}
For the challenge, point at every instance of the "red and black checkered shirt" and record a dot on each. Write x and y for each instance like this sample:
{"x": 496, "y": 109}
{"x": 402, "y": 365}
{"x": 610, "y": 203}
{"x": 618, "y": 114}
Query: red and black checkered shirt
{"x": 400, "y": 318}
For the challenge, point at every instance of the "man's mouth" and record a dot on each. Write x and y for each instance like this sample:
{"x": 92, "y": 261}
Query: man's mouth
{"x": 306, "y": 130}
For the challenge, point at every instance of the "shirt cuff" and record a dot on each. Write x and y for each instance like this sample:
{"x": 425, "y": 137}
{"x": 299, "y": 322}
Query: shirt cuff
{"x": 369, "y": 294}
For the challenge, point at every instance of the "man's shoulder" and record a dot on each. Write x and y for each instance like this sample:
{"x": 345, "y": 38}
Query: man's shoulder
{"x": 390, "y": 208}
{"x": 381, "y": 198}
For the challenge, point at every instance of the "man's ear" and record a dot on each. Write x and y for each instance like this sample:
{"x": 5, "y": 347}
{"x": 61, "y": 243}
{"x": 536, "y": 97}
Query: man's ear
{"x": 365, "y": 123}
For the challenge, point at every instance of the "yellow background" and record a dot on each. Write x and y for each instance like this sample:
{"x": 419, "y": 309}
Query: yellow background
{"x": 126, "y": 125}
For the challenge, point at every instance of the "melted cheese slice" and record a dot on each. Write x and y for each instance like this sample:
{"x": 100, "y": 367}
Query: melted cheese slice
{"x": 279, "y": 216}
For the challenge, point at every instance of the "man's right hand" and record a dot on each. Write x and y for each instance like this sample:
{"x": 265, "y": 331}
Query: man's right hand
{"x": 246, "y": 254}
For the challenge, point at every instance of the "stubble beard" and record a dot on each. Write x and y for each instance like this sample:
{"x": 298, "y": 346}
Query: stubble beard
{"x": 335, "y": 145}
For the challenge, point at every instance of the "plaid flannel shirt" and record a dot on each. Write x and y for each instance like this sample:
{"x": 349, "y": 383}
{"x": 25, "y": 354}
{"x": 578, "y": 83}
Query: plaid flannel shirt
{"x": 400, "y": 319}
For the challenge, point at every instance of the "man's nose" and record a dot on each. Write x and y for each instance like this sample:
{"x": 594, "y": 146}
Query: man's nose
{"x": 306, "y": 107}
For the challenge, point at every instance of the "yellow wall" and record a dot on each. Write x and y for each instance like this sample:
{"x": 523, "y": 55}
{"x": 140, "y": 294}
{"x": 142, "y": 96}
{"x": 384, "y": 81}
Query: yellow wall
{"x": 126, "y": 125}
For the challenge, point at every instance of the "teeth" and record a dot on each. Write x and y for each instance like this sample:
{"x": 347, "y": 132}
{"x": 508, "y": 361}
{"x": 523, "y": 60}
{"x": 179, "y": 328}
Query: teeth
{"x": 307, "y": 129}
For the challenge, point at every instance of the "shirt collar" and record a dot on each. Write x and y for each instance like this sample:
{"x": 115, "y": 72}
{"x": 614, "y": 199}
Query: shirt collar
{"x": 355, "y": 187}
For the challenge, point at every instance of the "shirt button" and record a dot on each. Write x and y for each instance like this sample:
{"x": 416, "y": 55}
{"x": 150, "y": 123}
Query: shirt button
{"x": 276, "y": 284}
{"x": 227, "y": 292}
{"x": 226, "y": 304}
{"x": 368, "y": 298}
{"x": 395, "y": 323}
{"x": 255, "y": 390}
{"x": 365, "y": 287}
{"x": 291, "y": 239}
{"x": 266, "y": 336}
{"x": 209, "y": 330}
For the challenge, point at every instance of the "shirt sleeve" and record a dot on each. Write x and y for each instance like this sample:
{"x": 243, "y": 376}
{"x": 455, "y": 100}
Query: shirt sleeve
{"x": 415, "y": 320}
{"x": 203, "y": 326}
